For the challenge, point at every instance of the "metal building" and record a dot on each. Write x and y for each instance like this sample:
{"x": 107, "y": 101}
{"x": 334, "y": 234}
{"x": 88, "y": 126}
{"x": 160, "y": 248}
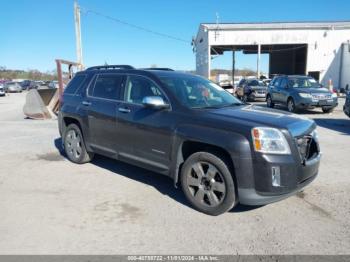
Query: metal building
{"x": 319, "y": 49}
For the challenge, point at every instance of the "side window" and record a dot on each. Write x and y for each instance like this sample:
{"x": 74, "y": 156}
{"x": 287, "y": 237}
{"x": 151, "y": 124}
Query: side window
{"x": 75, "y": 84}
{"x": 107, "y": 86}
{"x": 283, "y": 83}
{"x": 277, "y": 82}
{"x": 138, "y": 87}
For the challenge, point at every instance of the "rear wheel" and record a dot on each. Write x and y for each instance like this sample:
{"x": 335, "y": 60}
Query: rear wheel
{"x": 208, "y": 184}
{"x": 269, "y": 102}
{"x": 291, "y": 105}
{"x": 74, "y": 145}
{"x": 327, "y": 110}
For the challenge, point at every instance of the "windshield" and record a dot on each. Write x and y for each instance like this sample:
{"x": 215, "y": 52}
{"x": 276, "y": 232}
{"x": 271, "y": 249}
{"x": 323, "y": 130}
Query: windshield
{"x": 197, "y": 92}
{"x": 303, "y": 83}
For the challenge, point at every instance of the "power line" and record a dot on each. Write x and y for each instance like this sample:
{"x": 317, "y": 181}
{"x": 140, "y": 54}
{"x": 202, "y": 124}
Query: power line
{"x": 116, "y": 20}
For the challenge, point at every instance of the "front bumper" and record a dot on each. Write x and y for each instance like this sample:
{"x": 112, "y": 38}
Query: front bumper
{"x": 293, "y": 179}
{"x": 304, "y": 103}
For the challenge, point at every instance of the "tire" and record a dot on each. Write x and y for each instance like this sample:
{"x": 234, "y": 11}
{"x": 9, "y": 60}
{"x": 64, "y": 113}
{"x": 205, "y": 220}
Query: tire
{"x": 74, "y": 145}
{"x": 245, "y": 98}
{"x": 291, "y": 106}
{"x": 327, "y": 110}
{"x": 208, "y": 184}
{"x": 269, "y": 102}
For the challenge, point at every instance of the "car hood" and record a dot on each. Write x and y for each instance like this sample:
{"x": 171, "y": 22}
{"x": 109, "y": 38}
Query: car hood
{"x": 261, "y": 116}
{"x": 313, "y": 90}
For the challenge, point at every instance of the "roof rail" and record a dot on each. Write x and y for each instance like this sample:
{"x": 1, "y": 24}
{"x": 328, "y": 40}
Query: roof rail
{"x": 158, "y": 68}
{"x": 106, "y": 67}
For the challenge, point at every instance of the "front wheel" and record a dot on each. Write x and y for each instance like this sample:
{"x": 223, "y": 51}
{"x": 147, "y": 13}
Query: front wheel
{"x": 269, "y": 102}
{"x": 208, "y": 184}
{"x": 327, "y": 110}
{"x": 291, "y": 105}
{"x": 74, "y": 145}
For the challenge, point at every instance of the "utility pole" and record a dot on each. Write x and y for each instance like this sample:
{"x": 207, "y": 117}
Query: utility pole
{"x": 258, "y": 62}
{"x": 79, "y": 50}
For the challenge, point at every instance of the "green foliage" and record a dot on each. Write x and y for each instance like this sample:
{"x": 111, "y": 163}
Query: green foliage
{"x": 29, "y": 74}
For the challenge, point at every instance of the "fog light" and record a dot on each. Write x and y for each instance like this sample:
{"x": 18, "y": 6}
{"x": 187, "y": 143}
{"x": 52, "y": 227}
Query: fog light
{"x": 276, "y": 176}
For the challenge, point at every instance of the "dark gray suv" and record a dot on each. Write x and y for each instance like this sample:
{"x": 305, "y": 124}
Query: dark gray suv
{"x": 220, "y": 150}
{"x": 300, "y": 92}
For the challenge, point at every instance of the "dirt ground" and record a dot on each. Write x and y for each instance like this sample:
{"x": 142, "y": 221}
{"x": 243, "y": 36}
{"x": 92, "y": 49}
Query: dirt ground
{"x": 49, "y": 205}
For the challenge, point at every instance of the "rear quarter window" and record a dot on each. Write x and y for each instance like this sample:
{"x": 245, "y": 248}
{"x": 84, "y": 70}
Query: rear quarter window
{"x": 75, "y": 84}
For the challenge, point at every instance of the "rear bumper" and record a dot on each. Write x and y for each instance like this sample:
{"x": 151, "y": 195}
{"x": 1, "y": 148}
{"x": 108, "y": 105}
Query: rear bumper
{"x": 256, "y": 96}
{"x": 346, "y": 110}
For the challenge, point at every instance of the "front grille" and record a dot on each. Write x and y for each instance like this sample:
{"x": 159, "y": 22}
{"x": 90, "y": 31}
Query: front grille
{"x": 308, "y": 147}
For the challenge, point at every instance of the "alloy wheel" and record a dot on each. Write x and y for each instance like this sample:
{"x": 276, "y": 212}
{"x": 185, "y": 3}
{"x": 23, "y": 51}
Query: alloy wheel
{"x": 290, "y": 105}
{"x": 73, "y": 144}
{"x": 206, "y": 184}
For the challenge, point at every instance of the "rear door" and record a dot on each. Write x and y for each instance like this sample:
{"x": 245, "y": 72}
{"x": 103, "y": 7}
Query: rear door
{"x": 284, "y": 91}
{"x": 101, "y": 103}
{"x": 275, "y": 89}
{"x": 145, "y": 133}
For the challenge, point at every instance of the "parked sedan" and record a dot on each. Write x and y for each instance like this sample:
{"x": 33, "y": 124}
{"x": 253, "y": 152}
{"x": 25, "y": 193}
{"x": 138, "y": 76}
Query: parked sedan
{"x": 300, "y": 92}
{"x": 12, "y": 87}
{"x": 251, "y": 90}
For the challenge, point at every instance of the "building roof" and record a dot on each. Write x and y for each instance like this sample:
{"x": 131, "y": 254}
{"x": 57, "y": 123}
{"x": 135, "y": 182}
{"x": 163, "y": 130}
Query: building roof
{"x": 278, "y": 25}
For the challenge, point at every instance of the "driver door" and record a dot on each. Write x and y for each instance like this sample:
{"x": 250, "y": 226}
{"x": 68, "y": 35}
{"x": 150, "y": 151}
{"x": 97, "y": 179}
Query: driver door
{"x": 145, "y": 133}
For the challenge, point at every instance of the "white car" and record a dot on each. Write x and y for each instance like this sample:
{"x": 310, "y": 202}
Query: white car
{"x": 53, "y": 84}
{"x": 12, "y": 87}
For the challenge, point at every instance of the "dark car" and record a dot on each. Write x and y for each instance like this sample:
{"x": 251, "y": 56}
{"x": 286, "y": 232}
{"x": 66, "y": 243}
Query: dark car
{"x": 251, "y": 90}
{"x": 346, "y": 107}
{"x": 300, "y": 92}
{"x": 220, "y": 150}
{"x": 2, "y": 90}
{"x": 29, "y": 84}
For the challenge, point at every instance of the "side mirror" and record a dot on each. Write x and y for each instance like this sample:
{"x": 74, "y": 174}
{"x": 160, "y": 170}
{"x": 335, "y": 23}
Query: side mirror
{"x": 154, "y": 102}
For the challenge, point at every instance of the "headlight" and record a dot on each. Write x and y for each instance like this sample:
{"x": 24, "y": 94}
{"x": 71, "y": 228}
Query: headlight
{"x": 305, "y": 95}
{"x": 269, "y": 140}
{"x": 334, "y": 95}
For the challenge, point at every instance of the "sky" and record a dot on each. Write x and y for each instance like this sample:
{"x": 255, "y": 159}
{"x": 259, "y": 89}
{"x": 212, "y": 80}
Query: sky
{"x": 36, "y": 32}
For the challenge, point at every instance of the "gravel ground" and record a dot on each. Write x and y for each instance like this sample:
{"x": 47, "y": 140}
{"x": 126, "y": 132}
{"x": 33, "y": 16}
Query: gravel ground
{"x": 51, "y": 206}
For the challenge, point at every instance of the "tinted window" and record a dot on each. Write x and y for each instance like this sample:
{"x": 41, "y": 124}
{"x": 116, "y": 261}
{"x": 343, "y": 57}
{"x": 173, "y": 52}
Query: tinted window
{"x": 139, "y": 87}
{"x": 107, "y": 86}
{"x": 256, "y": 83}
{"x": 283, "y": 83}
{"x": 75, "y": 84}
{"x": 277, "y": 82}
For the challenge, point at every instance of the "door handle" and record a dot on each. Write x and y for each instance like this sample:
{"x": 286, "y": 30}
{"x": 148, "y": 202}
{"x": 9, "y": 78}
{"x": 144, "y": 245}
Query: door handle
{"x": 86, "y": 103}
{"x": 124, "y": 110}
